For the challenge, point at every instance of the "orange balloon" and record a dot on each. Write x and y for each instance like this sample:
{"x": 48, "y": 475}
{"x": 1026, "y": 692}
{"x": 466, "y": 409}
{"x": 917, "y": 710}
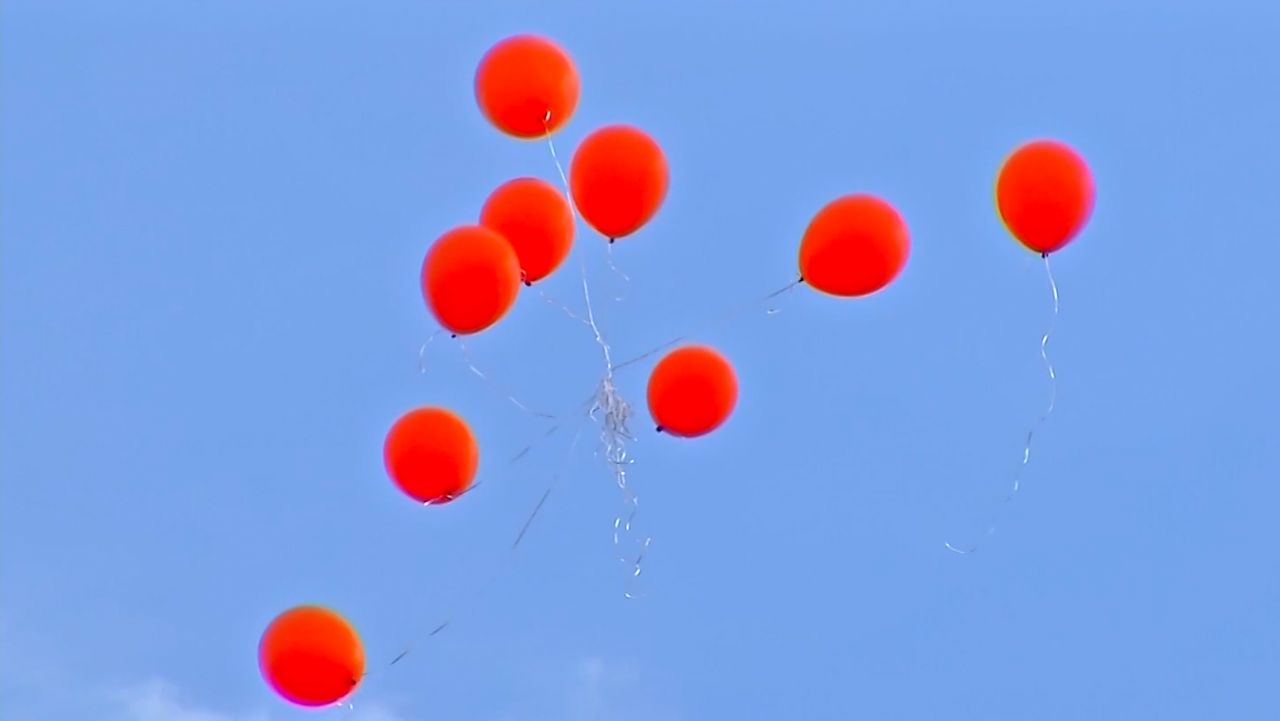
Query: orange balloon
{"x": 527, "y": 86}
{"x": 470, "y": 278}
{"x": 536, "y": 219}
{"x": 854, "y": 246}
{"x": 1044, "y": 195}
{"x": 618, "y": 178}
{"x": 431, "y": 455}
{"x": 692, "y": 391}
{"x": 311, "y": 656}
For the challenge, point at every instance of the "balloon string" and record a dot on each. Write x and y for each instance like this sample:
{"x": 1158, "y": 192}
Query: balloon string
{"x": 422, "y": 351}
{"x": 556, "y": 478}
{"x": 564, "y": 179}
{"x": 613, "y": 413}
{"x": 608, "y": 407}
{"x": 563, "y": 307}
{"x": 626, "y": 279}
{"x": 595, "y": 328}
{"x": 524, "y": 451}
{"x": 1053, "y": 398}
{"x": 568, "y": 194}
{"x": 466, "y": 357}
{"x": 716, "y": 321}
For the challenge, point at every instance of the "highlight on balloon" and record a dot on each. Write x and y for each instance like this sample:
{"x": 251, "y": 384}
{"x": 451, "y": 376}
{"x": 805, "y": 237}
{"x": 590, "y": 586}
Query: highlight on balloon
{"x": 470, "y": 279}
{"x": 1044, "y": 195}
{"x": 431, "y": 455}
{"x": 619, "y": 178}
{"x": 854, "y": 246}
{"x": 535, "y": 218}
{"x": 527, "y": 86}
{"x": 311, "y": 656}
{"x": 692, "y": 391}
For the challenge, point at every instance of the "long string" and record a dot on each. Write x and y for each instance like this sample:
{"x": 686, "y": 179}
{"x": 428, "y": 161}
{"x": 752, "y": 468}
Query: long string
{"x": 716, "y": 321}
{"x": 608, "y": 407}
{"x": 466, "y": 357}
{"x": 518, "y": 539}
{"x": 1053, "y": 398}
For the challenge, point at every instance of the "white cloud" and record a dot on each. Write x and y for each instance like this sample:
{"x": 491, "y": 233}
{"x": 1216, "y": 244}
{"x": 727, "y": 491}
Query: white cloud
{"x": 373, "y": 712}
{"x": 159, "y": 700}
{"x": 597, "y": 689}
{"x": 36, "y": 684}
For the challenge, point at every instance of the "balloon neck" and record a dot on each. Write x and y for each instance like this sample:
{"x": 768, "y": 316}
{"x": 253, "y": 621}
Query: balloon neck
{"x": 1045, "y": 255}
{"x": 611, "y": 240}
{"x": 660, "y": 429}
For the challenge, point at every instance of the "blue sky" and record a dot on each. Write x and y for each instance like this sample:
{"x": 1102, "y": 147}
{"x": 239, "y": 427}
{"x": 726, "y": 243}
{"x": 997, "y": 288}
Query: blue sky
{"x": 212, "y": 218}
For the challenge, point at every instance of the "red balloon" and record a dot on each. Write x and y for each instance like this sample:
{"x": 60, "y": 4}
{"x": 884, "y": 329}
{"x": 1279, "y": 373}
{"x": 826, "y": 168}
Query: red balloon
{"x": 527, "y": 86}
{"x": 311, "y": 656}
{"x": 470, "y": 279}
{"x": 854, "y": 246}
{"x": 431, "y": 455}
{"x": 618, "y": 178}
{"x": 1044, "y": 195}
{"x": 692, "y": 391}
{"x": 536, "y": 219}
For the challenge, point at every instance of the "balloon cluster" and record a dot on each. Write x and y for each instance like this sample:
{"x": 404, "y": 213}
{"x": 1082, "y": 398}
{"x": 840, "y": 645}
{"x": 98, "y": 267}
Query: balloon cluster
{"x": 528, "y": 87}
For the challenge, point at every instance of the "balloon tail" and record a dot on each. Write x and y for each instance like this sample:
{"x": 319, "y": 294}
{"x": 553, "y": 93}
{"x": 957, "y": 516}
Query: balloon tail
{"x": 1053, "y": 399}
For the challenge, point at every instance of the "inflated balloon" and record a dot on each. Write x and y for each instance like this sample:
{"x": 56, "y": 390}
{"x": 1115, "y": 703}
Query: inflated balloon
{"x": 692, "y": 391}
{"x": 311, "y": 656}
{"x": 618, "y": 178}
{"x": 431, "y": 455}
{"x": 470, "y": 278}
{"x": 536, "y": 219}
{"x": 1044, "y": 195}
{"x": 527, "y": 86}
{"x": 854, "y": 246}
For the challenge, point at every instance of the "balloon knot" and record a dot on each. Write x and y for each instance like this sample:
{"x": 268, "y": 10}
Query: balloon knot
{"x": 1044, "y": 255}
{"x": 660, "y": 429}
{"x": 611, "y": 240}
{"x": 453, "y": 335}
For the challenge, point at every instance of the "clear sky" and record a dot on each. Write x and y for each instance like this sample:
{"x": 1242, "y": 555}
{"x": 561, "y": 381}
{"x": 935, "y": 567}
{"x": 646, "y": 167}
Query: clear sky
{"x": 213, "y": 217}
